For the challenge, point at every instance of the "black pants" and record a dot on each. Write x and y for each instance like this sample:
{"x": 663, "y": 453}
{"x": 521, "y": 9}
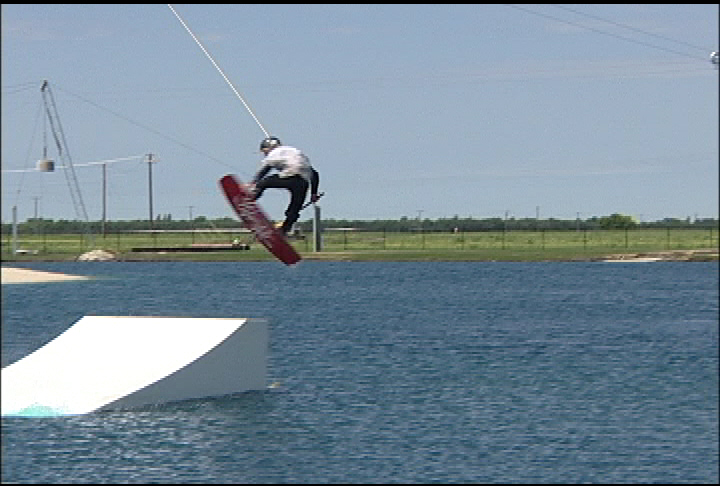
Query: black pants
{"x": 298, "y": 190}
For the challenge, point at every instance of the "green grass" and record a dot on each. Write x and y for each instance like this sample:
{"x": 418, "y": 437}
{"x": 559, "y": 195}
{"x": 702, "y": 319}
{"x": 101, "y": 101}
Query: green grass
{"x": 377, "y": 246}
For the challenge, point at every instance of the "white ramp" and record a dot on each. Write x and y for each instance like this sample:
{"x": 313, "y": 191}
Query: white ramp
{"x": 105, "y": 362}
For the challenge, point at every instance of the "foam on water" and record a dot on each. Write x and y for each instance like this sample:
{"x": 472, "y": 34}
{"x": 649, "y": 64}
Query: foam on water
{"x": 37, "y": 410}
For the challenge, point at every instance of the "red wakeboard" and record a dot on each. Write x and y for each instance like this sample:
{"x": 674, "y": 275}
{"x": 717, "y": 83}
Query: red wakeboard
{"x": 255, "y": 219}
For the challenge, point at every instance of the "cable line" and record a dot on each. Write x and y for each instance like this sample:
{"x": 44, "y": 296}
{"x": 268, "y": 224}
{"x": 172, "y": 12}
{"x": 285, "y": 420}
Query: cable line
{"x": 635, "y": 29}
{"x": 145, "y": 127}
{"x": 222, "y": 73}
{"x": 600, "y": 31}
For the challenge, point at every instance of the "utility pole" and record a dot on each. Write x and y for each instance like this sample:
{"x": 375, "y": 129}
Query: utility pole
{"x": 14, "y": 231}
{"x": 504, "y": 229}
{"x": 104, "y": 198}
{"x": 317, "y": 229}
{"x": 420, "y": 227}
{"x": 36, "y": 222}
{"x": 150, "y": 161}
{"x": 192, "y": 226}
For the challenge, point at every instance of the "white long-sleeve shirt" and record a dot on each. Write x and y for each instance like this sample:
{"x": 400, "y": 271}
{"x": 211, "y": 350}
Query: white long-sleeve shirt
{"x": 288, "y": 161}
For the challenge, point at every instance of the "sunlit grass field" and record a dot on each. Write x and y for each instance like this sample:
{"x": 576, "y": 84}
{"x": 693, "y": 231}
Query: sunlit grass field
{"x": 517, "y": 245}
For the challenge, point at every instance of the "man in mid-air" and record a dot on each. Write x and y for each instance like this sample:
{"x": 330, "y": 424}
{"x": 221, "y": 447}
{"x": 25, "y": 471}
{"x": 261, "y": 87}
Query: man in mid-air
{"x": 294, "y": 173}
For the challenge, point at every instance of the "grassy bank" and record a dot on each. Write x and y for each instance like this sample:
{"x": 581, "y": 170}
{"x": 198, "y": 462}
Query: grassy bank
{"x": 377, "y": 246}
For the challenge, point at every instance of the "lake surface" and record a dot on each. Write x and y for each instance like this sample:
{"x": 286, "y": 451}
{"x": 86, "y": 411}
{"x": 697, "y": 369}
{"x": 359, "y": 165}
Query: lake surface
{"x": 399, "y": 372}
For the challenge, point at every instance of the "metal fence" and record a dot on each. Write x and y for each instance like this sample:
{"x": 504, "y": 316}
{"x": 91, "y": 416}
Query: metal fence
{"x": 349, "y": 239}
{"x": 666, "y": 238}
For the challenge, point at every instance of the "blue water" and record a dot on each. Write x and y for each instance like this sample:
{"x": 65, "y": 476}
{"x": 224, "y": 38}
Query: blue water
{"x": 399, "y": 372}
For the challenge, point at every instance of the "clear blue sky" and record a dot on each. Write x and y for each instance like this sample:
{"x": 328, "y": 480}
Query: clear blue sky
{"x": 425, "y": 111}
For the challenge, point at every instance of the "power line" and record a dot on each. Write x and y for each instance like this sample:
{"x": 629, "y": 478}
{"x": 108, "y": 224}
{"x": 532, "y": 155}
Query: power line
{"x": 604, "y": 32}
{"x": 97, "y": 162}
{"x": 145, "y": 127}
{"x": 20, "y": 87}
{"x": 634, "y": 29}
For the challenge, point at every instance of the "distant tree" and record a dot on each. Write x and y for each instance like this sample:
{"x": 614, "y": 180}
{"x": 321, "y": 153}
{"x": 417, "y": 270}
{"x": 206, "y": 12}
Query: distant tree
{"x": 616, "y": 221}
{"x": 404, "y": 224}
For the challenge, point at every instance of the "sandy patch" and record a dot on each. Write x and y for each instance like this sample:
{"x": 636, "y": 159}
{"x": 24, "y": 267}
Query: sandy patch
{"x": 24, "y": 275}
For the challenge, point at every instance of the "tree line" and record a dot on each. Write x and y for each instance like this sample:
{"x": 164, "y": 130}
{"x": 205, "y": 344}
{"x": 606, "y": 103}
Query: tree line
{"x": 404, "y": 224}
